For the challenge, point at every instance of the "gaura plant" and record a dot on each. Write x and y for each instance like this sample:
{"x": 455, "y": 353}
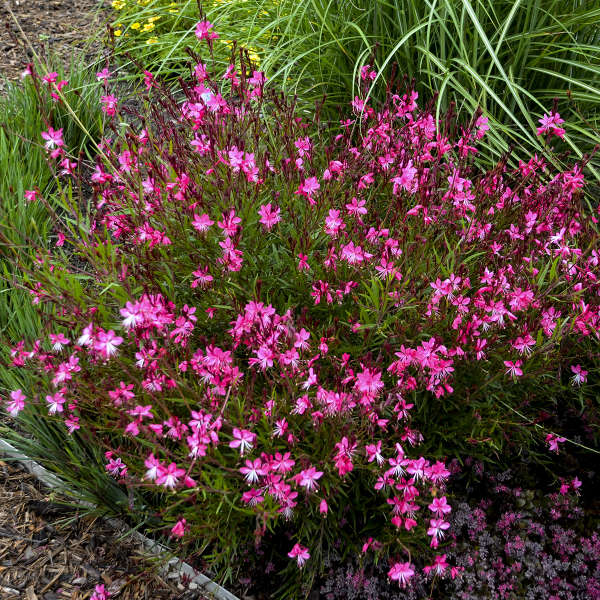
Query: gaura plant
{"x": 253, "y": 312}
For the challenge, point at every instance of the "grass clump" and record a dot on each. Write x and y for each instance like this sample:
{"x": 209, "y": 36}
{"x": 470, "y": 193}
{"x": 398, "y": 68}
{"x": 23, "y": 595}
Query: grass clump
{"x": 514, "y": 60}
{"x": 28, "y": 188}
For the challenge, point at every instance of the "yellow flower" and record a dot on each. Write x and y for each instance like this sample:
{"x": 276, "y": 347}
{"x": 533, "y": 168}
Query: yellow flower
{"x": 148, "y": 27}
{"x": 118, "y": 4}
{"x": 154, "y": 18}
{"x": 118, "y": 32}
{"x": 152, "y": 40}
{"x": 135, "y": 25}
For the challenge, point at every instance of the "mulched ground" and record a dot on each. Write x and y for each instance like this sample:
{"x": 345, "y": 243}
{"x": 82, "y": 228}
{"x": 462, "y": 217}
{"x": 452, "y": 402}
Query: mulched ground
{"x": 44, "y": 558}
{"x": 58, "y": 26}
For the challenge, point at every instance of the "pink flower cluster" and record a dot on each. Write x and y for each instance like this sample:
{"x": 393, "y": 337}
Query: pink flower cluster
{"x": 205, "y": 338}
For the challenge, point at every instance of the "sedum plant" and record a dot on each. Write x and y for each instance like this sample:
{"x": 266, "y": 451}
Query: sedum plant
{"x": 514, "y": 542}
{"x": 266, "y": 327}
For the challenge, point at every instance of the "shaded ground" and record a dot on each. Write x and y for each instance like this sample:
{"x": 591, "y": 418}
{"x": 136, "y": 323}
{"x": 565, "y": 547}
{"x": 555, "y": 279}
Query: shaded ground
{"x": 57, "y": 26}
{"x": 44, "y": 558}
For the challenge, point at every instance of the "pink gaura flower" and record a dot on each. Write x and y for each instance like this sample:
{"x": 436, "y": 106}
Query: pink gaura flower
{"x": 354, "y": 254}
{"x": 269, "y": 215}
{"x": 27, "y": 72}
{"x": 283, "y": 463}
{"x": 303, "y": 264}
{"x": 242, "y": 439}
{"x": 303, "y": 146}
{"x": 253, "y": 470}
{"x": 300, "y": 553}
{"x": 56, "y": 402}
{"x": 312, "y": 379}
{"x": 374, "y": 453}
{"x": 115, "y": 466}
{"x": 49, "y": 78}
{"x": 553, "y": 440}
{"x": 301, "y": 339}
{"x": 58, "y": 85}
{"x": 87, "y": 336}
{"x": 308, "y": 188}
{"x": 436, "y": 530}
{"x": 334, "y": 223}
{"x": 482, "y": 126}
{"x": 203, "y": 278}
{"x": 406, "y": 179}
{"x": 323, "y": 507}
{"x": 253, "y": 497}
{"x": 309, "y": 477}
{"x": 550, "y": 124}
{"x": 179, "y": 528}
{"x": 440, "y": 506}
{"x": 229, "y": 223}
{"x": 438, "y": 567}
{"x": 401, "y": 572}
{"x": 142, "y": 412}
{"x": 58, "y": 341}
{"x": 369, "y": 382}
{"x": 203, "y": 31}
{"x": 202, "y": 223}
{"x": 72, "y": 423}
{"x": 132, "y": 315}
{"x": 109, "y": 104}
{"x": 356, "y": 207}
{"x": 100, "y": 593}
{"x": 53, "y": 138}
{"x": 103, "y": 75}
{"x": 579, "y": 375}
{"x": 170, "y": 476}
{"x": 17, "y": 403}
{"x": 107, "y": 342}
{"x": 513, "y": 368}
{"x": 148, "y": 80}
{"x": 68, "y": 166}
{"x": 153, "y": 466}
{"x": 264, "y": 357}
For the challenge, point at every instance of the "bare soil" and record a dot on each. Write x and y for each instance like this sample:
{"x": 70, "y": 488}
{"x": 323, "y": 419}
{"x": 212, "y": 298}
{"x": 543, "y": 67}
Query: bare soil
{"x": 61, "y": 27}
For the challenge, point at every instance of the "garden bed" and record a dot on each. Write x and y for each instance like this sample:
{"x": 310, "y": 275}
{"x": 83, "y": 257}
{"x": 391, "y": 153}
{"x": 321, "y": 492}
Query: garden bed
{"x": 323, "y": 361}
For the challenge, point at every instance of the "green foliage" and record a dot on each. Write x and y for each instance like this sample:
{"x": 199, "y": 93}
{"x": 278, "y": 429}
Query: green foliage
{"x": 25, "y": 112}
{"x": 99, "y": 271}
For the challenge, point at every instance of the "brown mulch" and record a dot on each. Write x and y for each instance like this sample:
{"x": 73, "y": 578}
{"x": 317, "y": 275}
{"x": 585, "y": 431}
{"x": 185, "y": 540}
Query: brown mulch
{"x": 44, "y": 558}
{"x": 61, "y": 27}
